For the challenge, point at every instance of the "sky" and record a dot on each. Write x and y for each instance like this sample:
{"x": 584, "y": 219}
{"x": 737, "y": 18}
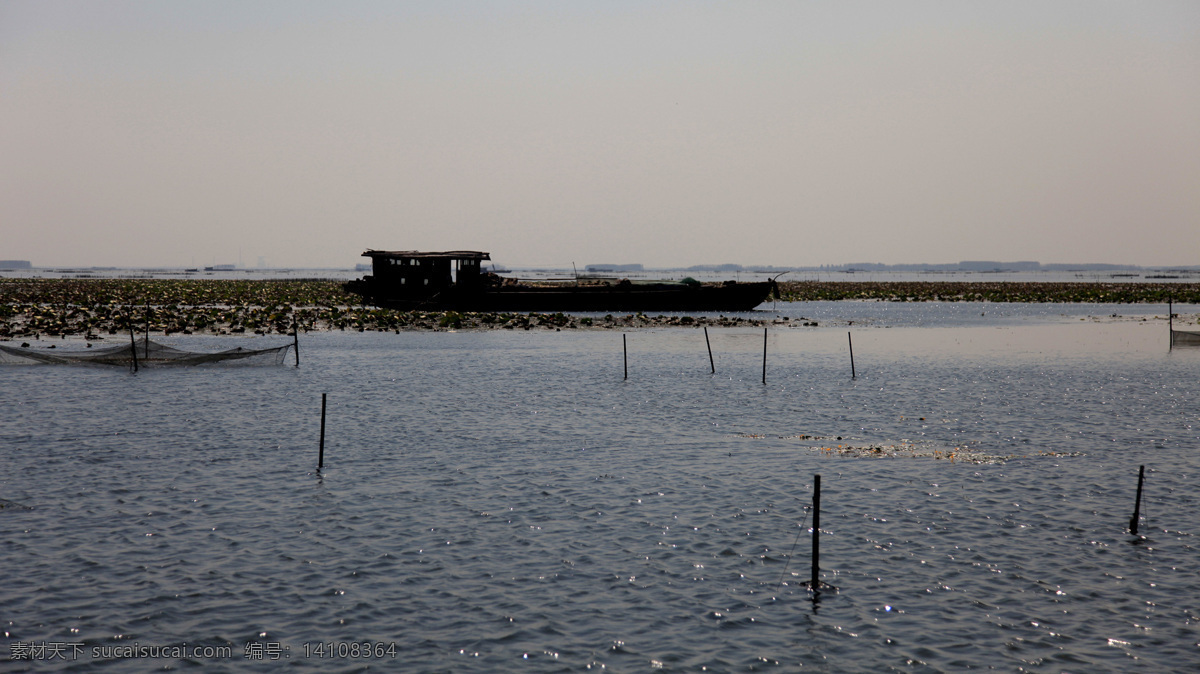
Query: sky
{"x": 796, "y": 133}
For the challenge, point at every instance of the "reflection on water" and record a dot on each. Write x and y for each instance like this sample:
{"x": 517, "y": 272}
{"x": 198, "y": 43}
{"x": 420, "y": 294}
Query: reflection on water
{"x": 497, "y": 501}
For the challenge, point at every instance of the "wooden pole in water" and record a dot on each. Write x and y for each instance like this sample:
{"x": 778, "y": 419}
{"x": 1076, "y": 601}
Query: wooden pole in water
{"x": 321, "y": 452}
{"x": 625, "y": 348}
{"x": 132, "y": 345}
{"x": 295, "y": 340}
{"x": 851, "y": 340}
{"x": 1137, "y": 504}
{"x": 816, "y": 539}
{"x": 709, "y": 345}
{"x": 147, "y": 329}
{"x": 1170, "y": 324}
{"x": 764, "y": 355}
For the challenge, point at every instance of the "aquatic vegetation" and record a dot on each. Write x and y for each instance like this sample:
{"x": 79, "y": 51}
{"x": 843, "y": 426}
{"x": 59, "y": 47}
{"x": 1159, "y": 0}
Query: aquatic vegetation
{"x": 994, "y": 291}
{"x": 93, "y": 307}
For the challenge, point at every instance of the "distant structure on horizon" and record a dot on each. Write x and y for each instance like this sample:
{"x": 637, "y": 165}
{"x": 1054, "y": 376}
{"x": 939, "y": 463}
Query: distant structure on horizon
{"x": 976, "y": 266}
{"x": 598, "y": 268}
{"x": 15, "y": 264}
{"x": 973, "y": 265}
{"x": 983, "y": 266}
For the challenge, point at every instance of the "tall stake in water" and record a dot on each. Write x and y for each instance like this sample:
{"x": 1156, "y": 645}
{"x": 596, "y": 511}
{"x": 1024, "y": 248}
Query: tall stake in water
{"x": 133, "y": 345}
{"x": 625, "y": 349}
{"x": 764, "y": 355}
{"x": 709, "y": 345}
{"x": 816, "y": 541}
{"x": 321, "y": 451}
{"x": 851, "y": 340}
{"x": 295, "y": 340}
{"x": 1137, "y": 503}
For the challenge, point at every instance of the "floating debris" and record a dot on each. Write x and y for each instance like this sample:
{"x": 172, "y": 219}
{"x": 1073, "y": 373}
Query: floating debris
{"x": 904, "y": 450}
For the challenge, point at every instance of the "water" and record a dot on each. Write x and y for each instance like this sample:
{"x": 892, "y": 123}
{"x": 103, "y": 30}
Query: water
{"x": 505, "y": 501}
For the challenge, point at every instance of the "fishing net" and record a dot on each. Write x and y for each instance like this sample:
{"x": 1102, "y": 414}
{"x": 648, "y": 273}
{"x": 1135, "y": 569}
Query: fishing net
{"x": 143, "y": 353}
{"x": 1182, "y": 338}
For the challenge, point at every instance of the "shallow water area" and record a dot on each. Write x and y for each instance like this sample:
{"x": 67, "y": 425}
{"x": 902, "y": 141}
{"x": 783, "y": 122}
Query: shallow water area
{"x": 509, "y": 501}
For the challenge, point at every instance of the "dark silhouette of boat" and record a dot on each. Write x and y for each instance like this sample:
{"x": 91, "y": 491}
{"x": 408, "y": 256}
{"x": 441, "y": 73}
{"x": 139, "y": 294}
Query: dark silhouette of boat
{"x": 456, "y": 280}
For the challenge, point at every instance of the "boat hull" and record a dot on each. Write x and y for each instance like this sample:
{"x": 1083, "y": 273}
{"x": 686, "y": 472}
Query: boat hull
{"x": 624, "y": 298}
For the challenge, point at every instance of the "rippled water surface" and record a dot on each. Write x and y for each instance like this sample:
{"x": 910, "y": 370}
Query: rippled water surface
{"x": 507, "y": 501}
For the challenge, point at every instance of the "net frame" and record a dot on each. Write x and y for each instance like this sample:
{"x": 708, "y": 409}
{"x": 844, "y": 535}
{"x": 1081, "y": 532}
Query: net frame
{"x": 1184, "y": 338}
{"x": 142, "y": 352}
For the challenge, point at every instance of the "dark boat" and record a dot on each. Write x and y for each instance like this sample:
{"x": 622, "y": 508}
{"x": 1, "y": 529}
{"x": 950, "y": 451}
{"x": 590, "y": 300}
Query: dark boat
{"x": 456, "y": 280}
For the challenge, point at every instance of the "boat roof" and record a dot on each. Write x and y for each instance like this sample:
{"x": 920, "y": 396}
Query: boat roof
{"x": 443, "y": 255}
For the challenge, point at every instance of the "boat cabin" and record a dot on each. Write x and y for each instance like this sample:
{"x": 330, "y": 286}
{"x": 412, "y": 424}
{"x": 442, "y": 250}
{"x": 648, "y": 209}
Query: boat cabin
{"x": 410, "y": 274}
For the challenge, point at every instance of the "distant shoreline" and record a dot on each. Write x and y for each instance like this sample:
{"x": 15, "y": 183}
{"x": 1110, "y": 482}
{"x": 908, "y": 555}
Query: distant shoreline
{"x": 1085, "y": 292}
{"x": 34, "y": 308}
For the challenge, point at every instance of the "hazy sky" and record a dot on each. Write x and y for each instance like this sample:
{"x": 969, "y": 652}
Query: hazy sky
{"x": 189, "y": 133}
